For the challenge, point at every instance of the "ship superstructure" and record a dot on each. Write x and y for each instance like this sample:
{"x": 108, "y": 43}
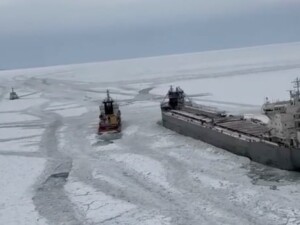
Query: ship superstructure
{"x": 285, "y": 118}
{"x": 274, "y": 144}
{"x": 110, "y": 116}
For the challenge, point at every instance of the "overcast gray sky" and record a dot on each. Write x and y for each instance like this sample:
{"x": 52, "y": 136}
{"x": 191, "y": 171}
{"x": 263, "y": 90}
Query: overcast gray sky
{"x": 50, "y": 32}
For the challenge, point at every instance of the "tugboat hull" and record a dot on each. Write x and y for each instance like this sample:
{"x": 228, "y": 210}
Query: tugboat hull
{"x": 109, "y": 130}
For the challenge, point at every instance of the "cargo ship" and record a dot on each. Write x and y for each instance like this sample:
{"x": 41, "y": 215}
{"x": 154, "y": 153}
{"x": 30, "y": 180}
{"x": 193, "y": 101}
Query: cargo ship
{"x": 110, "y": 116}
{"x": 275, "y": 144}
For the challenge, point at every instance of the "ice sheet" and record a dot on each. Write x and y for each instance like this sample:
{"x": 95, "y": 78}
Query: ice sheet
{"x": 147, "y": 174}
{"x": 18, "y": 175}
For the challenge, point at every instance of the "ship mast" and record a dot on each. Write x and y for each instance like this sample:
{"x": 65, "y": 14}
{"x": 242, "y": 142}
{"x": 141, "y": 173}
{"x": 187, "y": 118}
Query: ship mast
{"x": 297, "y": 86}
{"x": 108, "y": 96}
{"x": 295, "y": 95}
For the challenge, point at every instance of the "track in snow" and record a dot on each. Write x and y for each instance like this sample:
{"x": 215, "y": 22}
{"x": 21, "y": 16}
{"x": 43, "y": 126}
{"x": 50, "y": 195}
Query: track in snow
{"x": 148, "y": 174}
{"x": 183, "y": 182}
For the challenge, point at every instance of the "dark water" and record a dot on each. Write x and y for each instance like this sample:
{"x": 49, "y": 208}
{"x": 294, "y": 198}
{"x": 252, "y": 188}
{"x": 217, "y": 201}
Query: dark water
{"x": 269, "y": 176}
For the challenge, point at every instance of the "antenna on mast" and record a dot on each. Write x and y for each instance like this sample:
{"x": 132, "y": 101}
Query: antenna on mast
{"x": 107, "y": 93}
{"x": 295, "y": 95}
{"x": 297, "y": 85}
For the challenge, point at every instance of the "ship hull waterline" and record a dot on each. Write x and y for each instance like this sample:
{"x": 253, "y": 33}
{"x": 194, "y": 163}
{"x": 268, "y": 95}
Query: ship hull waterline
{"x": 260, "y": 152}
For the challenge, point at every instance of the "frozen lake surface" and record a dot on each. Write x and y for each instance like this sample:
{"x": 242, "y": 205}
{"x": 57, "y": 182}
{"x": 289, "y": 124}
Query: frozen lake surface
{"x": 55, "y": 170}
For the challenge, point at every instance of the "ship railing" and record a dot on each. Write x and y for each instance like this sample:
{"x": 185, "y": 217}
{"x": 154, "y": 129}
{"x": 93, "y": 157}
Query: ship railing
{"x": 205, "y": 110}
{"x": 192, "y": 116}
{"x": 245, "y": 137}
{"x": 205, "y": 107}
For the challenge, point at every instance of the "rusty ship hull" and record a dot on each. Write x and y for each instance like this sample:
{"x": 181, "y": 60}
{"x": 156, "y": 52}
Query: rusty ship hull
{"x": 234, "y": 140}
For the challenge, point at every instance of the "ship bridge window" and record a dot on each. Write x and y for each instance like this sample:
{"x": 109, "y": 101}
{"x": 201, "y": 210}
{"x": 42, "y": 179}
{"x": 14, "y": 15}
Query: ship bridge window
{"x": 108, "y": 107}
{"x": 268, "y": 110}
{"x": 280, "y": 109}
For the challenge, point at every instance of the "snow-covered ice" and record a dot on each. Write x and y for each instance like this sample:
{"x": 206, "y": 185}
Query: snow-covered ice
{"x": 248, "y": 91}
{"x": 15, "y": 117}
{"x": 75, "y": 111}
{"x": 14, "y": 132}
{"x": 18, "y": 176}
{"x": 97, "y": 206}
{"x": 149, "y": 169}
{"x": 55, "y": 170}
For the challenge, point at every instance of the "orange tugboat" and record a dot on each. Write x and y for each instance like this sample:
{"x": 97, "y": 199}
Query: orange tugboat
{"x": 110, "y": 116}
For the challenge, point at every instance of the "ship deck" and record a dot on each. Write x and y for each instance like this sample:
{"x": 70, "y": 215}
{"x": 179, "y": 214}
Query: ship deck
{"x": 245, "y": 126}
{"x": 192, "y": 116}
{"x": 234, "y": 125}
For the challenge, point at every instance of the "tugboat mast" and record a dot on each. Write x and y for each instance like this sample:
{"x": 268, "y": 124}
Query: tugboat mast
{"x": 108, "y": 98}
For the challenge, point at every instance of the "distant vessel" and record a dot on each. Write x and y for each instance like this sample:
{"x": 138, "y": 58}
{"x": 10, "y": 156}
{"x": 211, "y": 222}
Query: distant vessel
{"x": 275, "y": 144}
{"x": 110, "y": 116}
{"x": 13, "y": 95}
